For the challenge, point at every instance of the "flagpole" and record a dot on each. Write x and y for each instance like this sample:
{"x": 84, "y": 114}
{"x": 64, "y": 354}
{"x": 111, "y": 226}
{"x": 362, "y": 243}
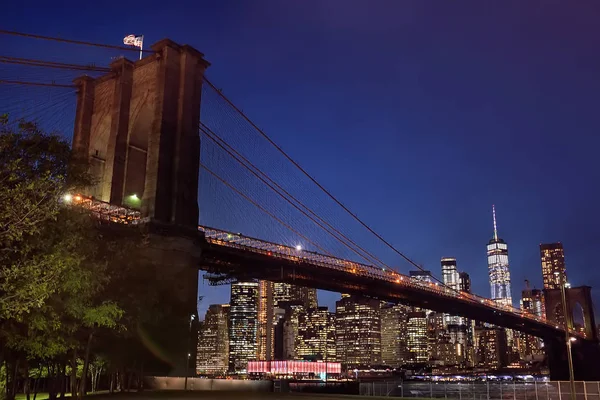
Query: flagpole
{"x": 141, "y": 47}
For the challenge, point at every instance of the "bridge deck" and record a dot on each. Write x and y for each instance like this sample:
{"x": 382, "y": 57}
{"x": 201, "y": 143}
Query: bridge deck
{"x": 124, "y": 215}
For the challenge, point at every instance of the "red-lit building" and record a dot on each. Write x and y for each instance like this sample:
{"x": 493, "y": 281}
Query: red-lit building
{"x": 294, "y": 368}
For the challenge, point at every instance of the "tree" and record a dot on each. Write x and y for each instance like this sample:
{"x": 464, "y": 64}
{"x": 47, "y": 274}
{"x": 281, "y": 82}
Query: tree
{"x": 53, "y": 259}
{"x": 36, "y": 170}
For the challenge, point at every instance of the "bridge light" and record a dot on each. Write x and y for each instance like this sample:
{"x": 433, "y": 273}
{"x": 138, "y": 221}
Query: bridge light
{"x": 77, "y": 198}
{"x": 269, "y": 253}
{"x": 573, "y": 339}
{"x": 298, "y": 247}
{"x": 67, "y": 198}
{"x": 397, "y": 280}
{"x": 229, "y": 236}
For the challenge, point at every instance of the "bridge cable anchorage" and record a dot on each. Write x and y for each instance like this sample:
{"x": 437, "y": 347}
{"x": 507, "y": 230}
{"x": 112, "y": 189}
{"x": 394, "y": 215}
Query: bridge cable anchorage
{"x": 261, "y": 208}
{"x": 50, "y": 64}
{"x": 71, "y": 41}
{"x": 321, "y": 187}
{"x": 299, "y": 206}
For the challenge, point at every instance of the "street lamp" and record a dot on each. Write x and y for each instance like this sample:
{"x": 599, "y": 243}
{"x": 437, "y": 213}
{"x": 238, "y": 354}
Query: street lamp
{"x": 187, "y": 349}
{"x": 568, "y": 338}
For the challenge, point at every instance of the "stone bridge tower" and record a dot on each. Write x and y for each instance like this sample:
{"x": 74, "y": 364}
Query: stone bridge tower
{"x": 137, "y": 126}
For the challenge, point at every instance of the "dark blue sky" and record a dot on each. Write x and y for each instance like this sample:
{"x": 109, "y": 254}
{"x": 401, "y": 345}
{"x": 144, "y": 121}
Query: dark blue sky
{"x": 419, "y": 115}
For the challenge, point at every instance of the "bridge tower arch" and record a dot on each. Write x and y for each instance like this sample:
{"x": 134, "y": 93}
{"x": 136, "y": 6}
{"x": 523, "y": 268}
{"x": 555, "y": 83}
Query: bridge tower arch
{"x": 581, "y": 296}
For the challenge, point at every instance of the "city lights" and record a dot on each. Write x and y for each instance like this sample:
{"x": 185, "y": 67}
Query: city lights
{"x": 68, "y": 198}
{"x": 298, "y": 247}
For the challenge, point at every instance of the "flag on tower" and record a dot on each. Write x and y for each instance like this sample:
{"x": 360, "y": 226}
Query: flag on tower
{"x": 136, "y": 41}
{"x": 133, "y": 40}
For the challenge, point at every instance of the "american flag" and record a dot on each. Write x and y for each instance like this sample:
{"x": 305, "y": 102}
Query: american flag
{"x": 133, "y": 40}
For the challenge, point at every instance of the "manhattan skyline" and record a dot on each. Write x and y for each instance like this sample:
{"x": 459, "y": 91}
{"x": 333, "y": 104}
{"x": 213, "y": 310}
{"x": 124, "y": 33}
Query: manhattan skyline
{"x": 452, "y": 109}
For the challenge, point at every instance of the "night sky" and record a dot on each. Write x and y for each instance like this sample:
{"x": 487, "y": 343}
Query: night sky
{"x": 418, "y": 115}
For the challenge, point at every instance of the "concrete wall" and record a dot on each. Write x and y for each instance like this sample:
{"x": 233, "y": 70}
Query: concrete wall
{"x": 200, "y": 384}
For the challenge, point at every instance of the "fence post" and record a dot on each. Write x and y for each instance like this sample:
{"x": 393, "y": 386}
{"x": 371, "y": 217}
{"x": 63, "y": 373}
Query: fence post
{"x": 487, "y": 383}
{"x": 373, "y": 386}
{"x": 536, "y": 393}
{"x": 446, "y": 390}
{"x": 431, "y": 389}
{"x": 514, "y": 389}
{"x": 459, "y": 392}
{"x": 402, "y": 389}
{"x": 584, "y": 391}
{"x": 501, "y": 395}
{"x": 559, "y": 393}
{"x": 473, "y": 390}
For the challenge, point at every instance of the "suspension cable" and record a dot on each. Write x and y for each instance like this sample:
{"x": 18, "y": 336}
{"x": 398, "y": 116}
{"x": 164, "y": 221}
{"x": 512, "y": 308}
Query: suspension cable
{"x": 216, "y": 139}
{"x": 71, "y": 41}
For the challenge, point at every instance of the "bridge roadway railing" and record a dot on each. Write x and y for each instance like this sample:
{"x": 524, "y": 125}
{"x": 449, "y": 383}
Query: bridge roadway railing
{"x": 237, "y": 240}
{"x": 129, "y": 216}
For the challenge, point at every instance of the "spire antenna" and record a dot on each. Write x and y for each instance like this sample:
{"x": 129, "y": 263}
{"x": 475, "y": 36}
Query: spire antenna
{"x": 494, "y": 216}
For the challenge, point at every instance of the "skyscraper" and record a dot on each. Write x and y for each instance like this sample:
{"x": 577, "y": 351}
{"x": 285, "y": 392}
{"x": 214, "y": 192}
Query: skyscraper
{"x": 417, "y": 342}
{"x": 442, "y": 350}
{"x": 532, "y": 301}
{"x": 285, "y": 292}
{"x": 553, "y": 265}
{"x": 213, "y": 341}
{"x": 358, "y": 331}
{"x": 290, "y": 328}
{"x": 266, "y": 328}
{"x": 316, "y": 335}
{"x": 491, "y": 347}
{"x": 497, "y": 254}
{"x": 272, "y": 296}
{"x": 451, "y": 279}
{"x": 394, "y": 334}
{"x": 421, "y": 275}
{"x": 243, "y": 325}
{"x": 465, "y": 286}
{"x": 464, "y": 282}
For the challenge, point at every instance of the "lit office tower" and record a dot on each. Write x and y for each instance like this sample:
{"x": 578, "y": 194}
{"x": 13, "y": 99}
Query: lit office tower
{"x": 243, "y": 326}
{"x": 358, "y": 331}
{"x": 290, "y": 329}
{"x": 316, "y": 335}
{"x": 451, "y": 278}
{"x": 417, "y": 342}
{"x": 442, "y": 351}
{"x": 450, "y": 274}
{"x": 394, "y": 334}
{"x": 424, "y": 276}
{"x": 213, "y": 341}
{"x": 464, "y": 282}
{"x": 497, "y": 254}
{"x": 285, "y": 292}
{"x": 465, "y": 286}
{"x": 491, "y": 347}
{"x": 532, "y": 301}
{"x": 265, "y": 330}
{"x": 553, "y": 265}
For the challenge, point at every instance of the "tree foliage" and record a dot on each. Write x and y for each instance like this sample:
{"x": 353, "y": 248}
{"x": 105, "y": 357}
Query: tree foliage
{"x": 35, "y": 171}
{"x": 76, "y": 295}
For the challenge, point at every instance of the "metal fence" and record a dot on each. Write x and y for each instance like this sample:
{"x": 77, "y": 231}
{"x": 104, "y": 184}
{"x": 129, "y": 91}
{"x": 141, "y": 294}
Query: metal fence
{"x": 490, "y": 390}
